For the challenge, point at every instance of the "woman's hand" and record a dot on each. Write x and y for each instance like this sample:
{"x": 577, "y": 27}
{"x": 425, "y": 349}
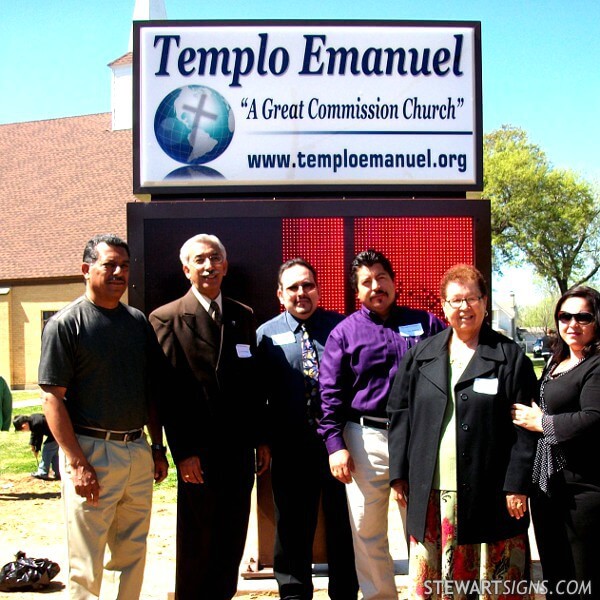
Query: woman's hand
{"x": 400, "y": 492}
{"x": 516, "y": 505}
{"x": 528, "y": 417}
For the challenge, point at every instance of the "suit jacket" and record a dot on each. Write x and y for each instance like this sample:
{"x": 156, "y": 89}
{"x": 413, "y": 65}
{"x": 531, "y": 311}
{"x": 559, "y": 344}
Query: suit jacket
{"x": 285, "y": 388}
{"x": 494, "y": 457}
{"x": 212, "y": 400}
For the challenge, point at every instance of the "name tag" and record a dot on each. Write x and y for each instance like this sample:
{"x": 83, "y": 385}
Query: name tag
{"x": 282, "y": 339}
{"x": 243, "y": 350}
{"x": 414, "y": 330}
{"x": 486, "y": 386}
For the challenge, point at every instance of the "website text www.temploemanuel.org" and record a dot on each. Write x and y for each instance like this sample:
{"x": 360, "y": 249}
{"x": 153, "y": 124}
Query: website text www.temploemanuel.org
{"x": 350, "y": 160}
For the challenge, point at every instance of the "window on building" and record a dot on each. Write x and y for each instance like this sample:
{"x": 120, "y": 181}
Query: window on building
{"x": 46, "y": 314}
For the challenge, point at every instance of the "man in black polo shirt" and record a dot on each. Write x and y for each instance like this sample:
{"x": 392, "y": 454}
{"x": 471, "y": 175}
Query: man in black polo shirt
{"x": 98, "y": 358}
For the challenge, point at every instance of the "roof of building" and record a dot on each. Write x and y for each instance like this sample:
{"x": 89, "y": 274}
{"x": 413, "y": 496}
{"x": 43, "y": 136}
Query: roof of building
{"x": 63, "y": 181}
{"x": 126, "y": 59}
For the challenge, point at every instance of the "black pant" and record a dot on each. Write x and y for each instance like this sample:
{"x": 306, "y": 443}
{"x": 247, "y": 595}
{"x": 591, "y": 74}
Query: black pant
{"x": 300, "y": 478}
{"x": 567, "y": 532}
{"x": 212, "y": 523}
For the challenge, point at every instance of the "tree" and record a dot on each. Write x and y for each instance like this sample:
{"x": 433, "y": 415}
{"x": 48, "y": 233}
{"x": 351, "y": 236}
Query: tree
{"x": 538, "y": 315}
{"x": 543, "y": 216}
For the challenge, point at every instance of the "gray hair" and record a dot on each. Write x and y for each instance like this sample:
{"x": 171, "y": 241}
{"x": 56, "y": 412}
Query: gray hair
{"x": 204, "y": 238}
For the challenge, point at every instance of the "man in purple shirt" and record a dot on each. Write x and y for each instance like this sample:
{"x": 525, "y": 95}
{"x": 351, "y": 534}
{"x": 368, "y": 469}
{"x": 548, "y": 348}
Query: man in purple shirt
{"x": 357, "y": 369}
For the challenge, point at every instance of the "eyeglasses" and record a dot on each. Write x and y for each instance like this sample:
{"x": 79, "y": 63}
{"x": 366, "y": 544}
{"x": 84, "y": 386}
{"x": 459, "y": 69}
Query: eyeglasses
{"x": 582, "y": 318}
{"x": 458, "y": 302}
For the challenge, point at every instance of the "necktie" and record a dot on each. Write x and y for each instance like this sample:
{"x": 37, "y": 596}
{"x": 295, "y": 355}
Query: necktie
{"x": 310, "y": 370}
{"x": 215, "y": 312}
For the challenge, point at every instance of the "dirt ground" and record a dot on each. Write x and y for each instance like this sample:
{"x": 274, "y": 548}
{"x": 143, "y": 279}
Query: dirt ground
{"x": 31, "y": 520}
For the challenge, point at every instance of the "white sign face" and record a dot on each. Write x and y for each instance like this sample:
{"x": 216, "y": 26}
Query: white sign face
{"x": 320, "y": 106}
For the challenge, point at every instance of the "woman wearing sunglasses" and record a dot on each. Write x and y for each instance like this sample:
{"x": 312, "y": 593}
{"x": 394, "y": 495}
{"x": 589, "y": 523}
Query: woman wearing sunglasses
{"x": 566, "y": 507}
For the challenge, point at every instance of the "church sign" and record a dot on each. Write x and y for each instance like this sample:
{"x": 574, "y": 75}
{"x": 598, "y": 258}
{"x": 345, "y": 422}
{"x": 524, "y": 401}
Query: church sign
{"x": 266, "y": 107}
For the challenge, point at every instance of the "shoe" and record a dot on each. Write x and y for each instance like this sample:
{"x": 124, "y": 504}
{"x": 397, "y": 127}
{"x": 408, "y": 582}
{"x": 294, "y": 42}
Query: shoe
{"x": 40, "y": 476}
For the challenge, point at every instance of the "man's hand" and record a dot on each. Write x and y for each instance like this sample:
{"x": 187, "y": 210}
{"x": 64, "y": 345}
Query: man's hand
{"x": 190, "y": 470}
{"x": 400, "y": 492}
{"x": 263, "y": 459}
{"x": 161, "y": 465}
{"x": 85, "y": 481}
{"x": 341, "y": 465}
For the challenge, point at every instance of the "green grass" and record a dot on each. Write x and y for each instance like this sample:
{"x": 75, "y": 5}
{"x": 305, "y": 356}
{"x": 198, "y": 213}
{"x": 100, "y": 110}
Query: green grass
{"x": 538, "y": 365}
{"x": 17, "y": 459}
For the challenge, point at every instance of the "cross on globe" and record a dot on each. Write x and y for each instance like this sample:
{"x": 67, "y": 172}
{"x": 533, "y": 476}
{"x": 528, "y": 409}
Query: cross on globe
{"x": 194, "y": 124}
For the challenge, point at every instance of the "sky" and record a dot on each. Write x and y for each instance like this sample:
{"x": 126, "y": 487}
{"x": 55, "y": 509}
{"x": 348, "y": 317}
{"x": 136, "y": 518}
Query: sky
{"x": 540, "y": 58}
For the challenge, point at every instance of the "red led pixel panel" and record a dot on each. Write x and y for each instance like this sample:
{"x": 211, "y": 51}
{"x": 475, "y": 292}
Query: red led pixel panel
{"x": 421, "y": 250}
{"x": 321, "y": 243}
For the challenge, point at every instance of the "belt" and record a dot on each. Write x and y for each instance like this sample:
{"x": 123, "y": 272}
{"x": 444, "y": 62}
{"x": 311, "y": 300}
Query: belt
{"x": 105, "y": 434}
{"x": 375, "y": 422}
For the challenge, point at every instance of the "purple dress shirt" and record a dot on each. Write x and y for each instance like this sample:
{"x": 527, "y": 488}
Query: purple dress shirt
{"x": 360, "y": 361}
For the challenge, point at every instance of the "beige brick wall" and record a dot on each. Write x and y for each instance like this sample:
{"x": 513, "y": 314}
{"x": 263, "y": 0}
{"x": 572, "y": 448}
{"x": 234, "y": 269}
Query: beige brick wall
{"x": 27, "y": 304}
{"x": 5, "y": 369}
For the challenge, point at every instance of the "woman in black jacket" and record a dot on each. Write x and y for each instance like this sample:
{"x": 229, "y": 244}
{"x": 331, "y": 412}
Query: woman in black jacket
{"x": 566, "y": 507}
{"x": 456, "y": 458}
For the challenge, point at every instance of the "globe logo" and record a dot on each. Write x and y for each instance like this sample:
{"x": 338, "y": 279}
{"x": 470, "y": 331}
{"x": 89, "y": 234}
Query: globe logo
{"x": 194, "y": 124}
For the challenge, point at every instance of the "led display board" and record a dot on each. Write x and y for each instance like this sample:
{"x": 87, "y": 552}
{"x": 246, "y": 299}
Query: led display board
{"x": 421, "y": 238}
{"x": 230, "y": 107}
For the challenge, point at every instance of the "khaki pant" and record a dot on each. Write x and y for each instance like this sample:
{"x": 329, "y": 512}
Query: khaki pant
{"x": 368, "y": 504}
{"x": 120, "y": 521}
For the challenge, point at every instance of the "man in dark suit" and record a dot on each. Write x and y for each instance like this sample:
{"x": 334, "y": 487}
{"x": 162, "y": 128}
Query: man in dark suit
{"x": 212, "y": 413}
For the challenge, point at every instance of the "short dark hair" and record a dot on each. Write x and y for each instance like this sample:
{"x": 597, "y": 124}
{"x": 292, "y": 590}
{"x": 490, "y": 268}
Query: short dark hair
{"x": 293, "y": 262}
{"x": 90, "y": 252}
{"x": 592, "y": 297}
{"x": 463, "y": 273}
{"x": 21, "y": 420}
{"x": 368, "y": 258}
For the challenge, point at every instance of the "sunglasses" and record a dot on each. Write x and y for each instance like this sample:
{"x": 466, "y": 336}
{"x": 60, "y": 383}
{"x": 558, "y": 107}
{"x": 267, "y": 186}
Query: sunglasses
{"x": 583, "y": 318}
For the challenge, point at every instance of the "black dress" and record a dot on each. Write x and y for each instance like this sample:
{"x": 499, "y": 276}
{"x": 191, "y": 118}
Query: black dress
{"x": 567, "y": 521}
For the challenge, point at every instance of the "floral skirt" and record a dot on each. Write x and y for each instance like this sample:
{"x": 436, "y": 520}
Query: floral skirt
{"x": 441, "y": 569}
